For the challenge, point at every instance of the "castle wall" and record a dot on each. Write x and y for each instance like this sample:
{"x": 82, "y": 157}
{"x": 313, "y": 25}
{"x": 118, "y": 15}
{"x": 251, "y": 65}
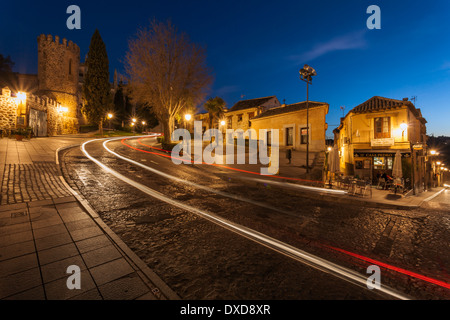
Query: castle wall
{"x": 57, "y": 121}
{"x": 58, "y": 66}
{"x": 8, "y": 110}
{"x": 58, "y": 97}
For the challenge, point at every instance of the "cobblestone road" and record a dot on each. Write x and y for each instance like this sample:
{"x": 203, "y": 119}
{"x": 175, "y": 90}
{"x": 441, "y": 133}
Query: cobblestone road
{"x": 196, "y": 261}
{"x": 31, "y": 182}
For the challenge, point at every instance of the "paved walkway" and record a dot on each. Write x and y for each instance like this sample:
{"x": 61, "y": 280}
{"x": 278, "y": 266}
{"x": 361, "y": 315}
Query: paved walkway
{"x": 45, "y": 228}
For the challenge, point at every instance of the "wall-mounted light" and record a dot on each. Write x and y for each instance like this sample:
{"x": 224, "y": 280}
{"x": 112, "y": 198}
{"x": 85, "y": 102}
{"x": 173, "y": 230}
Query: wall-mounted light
{"x": 62, "y": 109}
{"x": 21, "y": 96}
{"x": 403, "y": 127}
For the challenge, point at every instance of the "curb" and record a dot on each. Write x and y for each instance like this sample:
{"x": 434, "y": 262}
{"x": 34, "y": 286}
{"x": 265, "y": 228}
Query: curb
{"x": 329, "y": 197}
{"x": 157, "y": 285}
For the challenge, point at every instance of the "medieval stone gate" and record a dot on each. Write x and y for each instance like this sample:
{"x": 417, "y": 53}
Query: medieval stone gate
{"x": 38, "y": 122}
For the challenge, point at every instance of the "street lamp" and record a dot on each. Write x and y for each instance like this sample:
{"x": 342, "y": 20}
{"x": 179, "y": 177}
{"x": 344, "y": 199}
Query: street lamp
{"x": 188, "y": 118}
{"x": 222, "y": 123}
{"x": 306, "y": 74}
{"x": 110, "y": 116}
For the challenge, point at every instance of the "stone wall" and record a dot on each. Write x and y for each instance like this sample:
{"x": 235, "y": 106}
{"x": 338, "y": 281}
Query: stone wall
{"x": 8, "y": 110}
{"x": 58, "y": 74}
{"x": 58, "y": 122}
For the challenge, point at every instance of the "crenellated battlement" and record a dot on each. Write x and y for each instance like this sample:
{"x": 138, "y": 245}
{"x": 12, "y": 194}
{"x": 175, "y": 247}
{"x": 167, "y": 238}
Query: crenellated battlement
{"x": 45, "y": 40}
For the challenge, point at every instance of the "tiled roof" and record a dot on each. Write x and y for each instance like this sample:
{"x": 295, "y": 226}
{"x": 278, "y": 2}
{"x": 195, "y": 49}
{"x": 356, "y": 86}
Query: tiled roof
{"x": 289, "y": 108}
{"x": 251, "y": 103}
{"x": 379, "y": 103}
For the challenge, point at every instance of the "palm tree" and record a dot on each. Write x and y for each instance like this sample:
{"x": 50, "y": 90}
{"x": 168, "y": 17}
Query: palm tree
{"x": 216, "y": 109}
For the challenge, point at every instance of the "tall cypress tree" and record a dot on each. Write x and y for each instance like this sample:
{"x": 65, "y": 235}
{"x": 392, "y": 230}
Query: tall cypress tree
{"x": 97, "y": 87}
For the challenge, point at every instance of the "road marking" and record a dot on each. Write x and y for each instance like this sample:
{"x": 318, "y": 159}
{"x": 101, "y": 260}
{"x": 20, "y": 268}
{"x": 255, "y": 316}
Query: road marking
{"x": 274, "y": 244}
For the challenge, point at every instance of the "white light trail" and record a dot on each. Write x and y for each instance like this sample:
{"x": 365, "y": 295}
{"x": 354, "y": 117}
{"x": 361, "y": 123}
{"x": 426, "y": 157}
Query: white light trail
{"x": 168, "y": 176}
{"x": 274, "y": 244}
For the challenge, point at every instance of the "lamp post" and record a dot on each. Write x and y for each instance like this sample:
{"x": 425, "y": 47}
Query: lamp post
{"x": 306, "y": 74}
{"x": 188, "y": 118}
{"x": 110, "y": 116}
{"x": 133, "y": 124}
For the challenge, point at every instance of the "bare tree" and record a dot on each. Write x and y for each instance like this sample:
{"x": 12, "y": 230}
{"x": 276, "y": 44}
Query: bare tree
{"x": 166, "y": 72}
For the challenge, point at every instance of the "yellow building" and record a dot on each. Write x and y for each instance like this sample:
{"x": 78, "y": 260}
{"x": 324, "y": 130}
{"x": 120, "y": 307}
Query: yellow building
{"x": 242, "y": 113}
{"x": 290, "y": 120}
{"x": 372, "y": 132}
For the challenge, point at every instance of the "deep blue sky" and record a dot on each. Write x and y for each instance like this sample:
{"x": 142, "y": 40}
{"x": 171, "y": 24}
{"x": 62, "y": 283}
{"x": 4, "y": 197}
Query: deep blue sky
{"x": 256, "y": 48}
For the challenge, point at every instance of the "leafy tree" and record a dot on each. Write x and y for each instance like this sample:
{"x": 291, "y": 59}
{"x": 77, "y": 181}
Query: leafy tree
{"x": 215, "y": 107}
{"x": 97, "y": 87}
{"x": 167, "y": 72}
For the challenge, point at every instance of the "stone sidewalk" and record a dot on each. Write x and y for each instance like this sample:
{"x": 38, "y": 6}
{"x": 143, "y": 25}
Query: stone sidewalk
{"x": 45, "y": 227}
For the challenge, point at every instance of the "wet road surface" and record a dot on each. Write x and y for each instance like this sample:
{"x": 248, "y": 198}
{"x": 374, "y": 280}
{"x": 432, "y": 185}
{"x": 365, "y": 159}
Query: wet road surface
{"x": 200, "y": 260}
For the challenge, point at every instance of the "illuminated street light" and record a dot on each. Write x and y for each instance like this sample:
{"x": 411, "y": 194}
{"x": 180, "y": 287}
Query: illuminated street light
{"x": 110, "y": 116}
{"x": 306, "y": 74}
{"x": 21, "y": 96}
{"x": 433, "y": 152}
{"x": 188, "y": 117}
{"x": 222, "y": 123}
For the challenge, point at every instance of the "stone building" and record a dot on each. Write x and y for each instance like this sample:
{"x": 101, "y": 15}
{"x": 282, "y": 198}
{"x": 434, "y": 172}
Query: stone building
{"x": 291, "y": 122}
{"x": 369, "y": 136}
{"x": 241, "y": 114}
{"x": 52, "y": 97}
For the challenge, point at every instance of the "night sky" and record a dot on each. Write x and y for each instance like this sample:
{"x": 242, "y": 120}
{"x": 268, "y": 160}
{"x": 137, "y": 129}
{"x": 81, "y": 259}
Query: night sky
{"x": 256, "y": 48}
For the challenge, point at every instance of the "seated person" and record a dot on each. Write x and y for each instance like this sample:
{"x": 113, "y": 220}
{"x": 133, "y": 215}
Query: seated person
{"x": 386, "y": 178}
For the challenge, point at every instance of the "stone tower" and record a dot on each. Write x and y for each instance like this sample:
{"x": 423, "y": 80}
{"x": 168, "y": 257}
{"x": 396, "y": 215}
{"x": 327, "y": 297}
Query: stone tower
{"x": 58, "y": 67}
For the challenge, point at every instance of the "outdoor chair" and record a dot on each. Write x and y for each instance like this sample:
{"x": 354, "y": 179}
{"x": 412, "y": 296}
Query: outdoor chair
{"x": 381, "y": 183}
{"x": 363, "y": 188}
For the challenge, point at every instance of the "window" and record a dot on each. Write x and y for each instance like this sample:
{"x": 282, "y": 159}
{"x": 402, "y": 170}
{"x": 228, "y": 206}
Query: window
{"x": 304, "y": 135}
{"x": 230, "y": 122}
{"x": 239, "y": 117}
{"x": 269, "y": 137}
{"x": 289, "y": 137}
{"x": 382, "y": 128}
{"x": 251, "y": 115}
{"x": 383, "y": 163}
{"x": 70, "y": 67}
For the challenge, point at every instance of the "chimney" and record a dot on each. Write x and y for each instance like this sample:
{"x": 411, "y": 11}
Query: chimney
{"x": 405, "y": 99}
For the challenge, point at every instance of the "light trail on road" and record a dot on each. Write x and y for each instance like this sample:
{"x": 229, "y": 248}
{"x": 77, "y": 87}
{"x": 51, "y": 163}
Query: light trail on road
{"x": 274, "y": 244}
{"x": 168, "y": 176}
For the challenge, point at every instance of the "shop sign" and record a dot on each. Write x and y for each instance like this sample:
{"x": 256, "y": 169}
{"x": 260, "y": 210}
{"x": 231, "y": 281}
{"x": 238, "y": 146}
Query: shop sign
{"x": 386, "y": 142}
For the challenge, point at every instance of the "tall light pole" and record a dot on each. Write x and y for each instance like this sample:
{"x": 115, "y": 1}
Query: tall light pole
{"x": 306, "y": 74}
{"x": 110, "y": 116}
